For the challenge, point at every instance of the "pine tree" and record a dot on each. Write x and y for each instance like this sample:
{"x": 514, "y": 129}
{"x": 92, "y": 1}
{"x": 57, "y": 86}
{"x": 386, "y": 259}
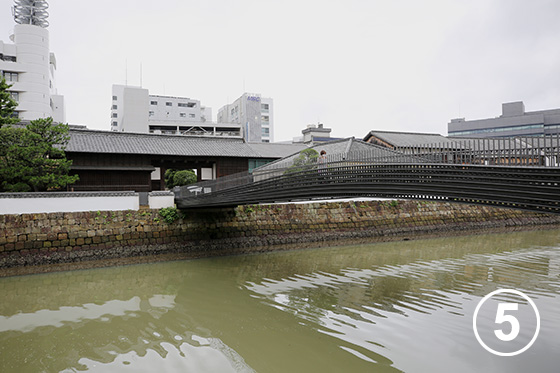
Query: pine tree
{"x": 32, "y": 158}
{"x": 7, "y": 104}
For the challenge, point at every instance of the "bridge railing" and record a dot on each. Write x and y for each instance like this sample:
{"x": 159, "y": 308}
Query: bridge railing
{"x": 288, "y": 168}
{"x": 518, "y": 152}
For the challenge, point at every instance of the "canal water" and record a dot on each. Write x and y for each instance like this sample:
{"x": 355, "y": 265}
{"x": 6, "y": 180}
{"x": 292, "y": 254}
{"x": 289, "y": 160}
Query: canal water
{"x": 385, "y": 307}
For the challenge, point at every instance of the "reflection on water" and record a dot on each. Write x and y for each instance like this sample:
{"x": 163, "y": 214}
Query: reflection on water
{"x": 404, "y": 306}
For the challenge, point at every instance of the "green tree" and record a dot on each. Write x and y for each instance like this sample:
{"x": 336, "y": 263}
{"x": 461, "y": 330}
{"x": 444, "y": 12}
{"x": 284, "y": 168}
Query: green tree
{"x": 7, "y": 104}
{"x": 184, "y": 177}
{"x": 168, "y": 177}
{"x": 175, "y": 178}
{"x": 307, "y": 159}
{"x": 32, "y": 158}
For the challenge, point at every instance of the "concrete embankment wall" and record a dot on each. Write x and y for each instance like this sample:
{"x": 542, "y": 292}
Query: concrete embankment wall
{"x": 45, "y": 238}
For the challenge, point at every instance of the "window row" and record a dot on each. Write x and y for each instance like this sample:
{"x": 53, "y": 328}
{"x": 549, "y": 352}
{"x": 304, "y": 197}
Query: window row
{"x": 10, "y": 76}
{"x": 497, "y": 129}
{"x": 180, "y": 104}
{"x": 182, "y": 115}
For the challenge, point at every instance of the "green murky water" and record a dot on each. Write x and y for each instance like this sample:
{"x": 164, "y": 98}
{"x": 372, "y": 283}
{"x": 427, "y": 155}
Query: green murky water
{"x": 405, "y": 306}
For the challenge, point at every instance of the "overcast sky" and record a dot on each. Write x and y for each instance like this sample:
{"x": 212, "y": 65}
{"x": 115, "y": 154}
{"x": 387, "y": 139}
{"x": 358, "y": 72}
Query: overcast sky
{"x": 354, "y": 65}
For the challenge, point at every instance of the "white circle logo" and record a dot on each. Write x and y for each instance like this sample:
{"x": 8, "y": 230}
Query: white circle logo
{"x": 511, "y": 332}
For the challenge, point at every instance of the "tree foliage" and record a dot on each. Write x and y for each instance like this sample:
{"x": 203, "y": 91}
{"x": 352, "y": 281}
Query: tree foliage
{"x": 7, "y": 104}
{"x": 184, "y": 177}
{"x": 175, "y": 178}
{"x": 32, "y": 158}
{"x": 307, "y": 159}
{"x": 168, "y": 177}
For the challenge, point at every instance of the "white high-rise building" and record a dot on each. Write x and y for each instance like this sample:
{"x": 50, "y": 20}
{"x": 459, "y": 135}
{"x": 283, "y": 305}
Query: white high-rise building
{"x": 135, "y": 110}
{"x": 29, "y": 66}
{"x": 255, "y": 115}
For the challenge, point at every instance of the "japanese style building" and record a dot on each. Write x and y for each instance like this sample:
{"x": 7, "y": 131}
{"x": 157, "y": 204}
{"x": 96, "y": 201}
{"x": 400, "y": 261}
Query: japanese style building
{"x": 108, "y": 160}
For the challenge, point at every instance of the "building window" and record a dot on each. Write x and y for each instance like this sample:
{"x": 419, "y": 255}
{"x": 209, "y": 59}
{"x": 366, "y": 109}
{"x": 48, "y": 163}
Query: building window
{"x": 168, "y": 104}
{"x": 186, "y": 104}
{"x": 114, "y": 107}
{"x": 10, "y": 76}
{"x": 265, "y": 131}
{"x": 265, "y": 118}
{"x": 539, "y": 127}
{"x": 114, "y": 115}
{"x": 183, "y": 115}
{"x": 153, "y": 102}
{"x": 114, "y": 98}
{"x": 15, "y": 95}
{"x": 264, "y": 107}
{"x": 114, "y": 124}
{"x": 191, "y": 115}
{"x": 151, "y": 113}
{"x": 7, "y": 58}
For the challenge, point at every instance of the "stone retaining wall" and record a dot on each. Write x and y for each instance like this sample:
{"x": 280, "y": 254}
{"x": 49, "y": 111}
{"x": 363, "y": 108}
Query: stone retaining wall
{"x": 33, "y": 239}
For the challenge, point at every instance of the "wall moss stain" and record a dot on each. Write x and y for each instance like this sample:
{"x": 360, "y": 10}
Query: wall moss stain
{"x": 31, "y": 239}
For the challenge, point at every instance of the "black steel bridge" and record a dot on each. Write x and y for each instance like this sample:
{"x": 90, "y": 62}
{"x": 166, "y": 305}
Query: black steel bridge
{"x": 524, "y": 174}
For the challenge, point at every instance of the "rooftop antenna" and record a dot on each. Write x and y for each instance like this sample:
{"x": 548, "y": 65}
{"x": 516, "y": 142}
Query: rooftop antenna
{"x": 31, "y": 12}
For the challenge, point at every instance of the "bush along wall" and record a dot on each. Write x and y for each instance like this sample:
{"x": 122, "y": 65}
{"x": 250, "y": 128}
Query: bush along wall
{"x": 35, "y": 239}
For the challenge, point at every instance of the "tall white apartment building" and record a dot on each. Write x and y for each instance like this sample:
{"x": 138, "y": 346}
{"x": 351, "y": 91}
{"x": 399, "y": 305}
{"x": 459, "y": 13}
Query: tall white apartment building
{"x": 255, "y": 115}
{"x": 29, "y": 66}
{"x": 135, "y": 110}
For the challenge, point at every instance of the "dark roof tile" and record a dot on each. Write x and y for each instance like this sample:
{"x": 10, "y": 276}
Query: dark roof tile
{"x": 404, "y": 139}
{"x": 91, "y": 141}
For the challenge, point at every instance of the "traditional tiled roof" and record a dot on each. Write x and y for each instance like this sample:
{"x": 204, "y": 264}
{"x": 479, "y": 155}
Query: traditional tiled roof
{"x": 406, "y": 139}
{"x": 68, "y": 194}
{"x": 272, "y": 150}
{"x": 337, "y": 150}
{"x": 94, "y": 141}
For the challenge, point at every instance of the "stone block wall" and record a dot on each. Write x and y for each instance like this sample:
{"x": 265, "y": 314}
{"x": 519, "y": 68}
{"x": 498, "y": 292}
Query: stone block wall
{"x": 45, "y": 238}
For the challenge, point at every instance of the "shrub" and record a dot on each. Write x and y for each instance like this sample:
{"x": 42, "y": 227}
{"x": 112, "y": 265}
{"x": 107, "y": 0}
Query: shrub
{"x": 170, "y": 214}
{"x": 184, "y": 177}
